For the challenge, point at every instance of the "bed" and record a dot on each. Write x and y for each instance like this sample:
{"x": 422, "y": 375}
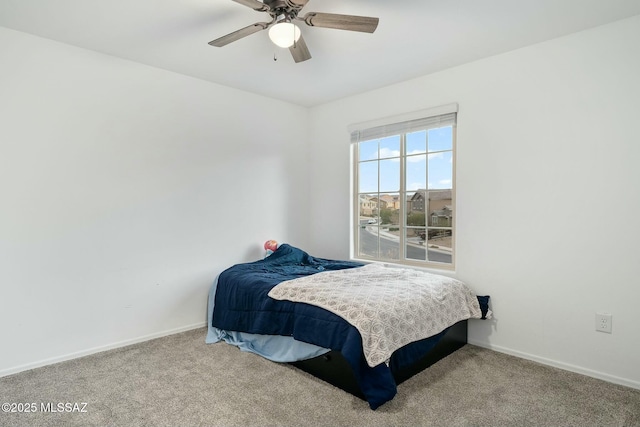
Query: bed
{"x": 336, "y": 320}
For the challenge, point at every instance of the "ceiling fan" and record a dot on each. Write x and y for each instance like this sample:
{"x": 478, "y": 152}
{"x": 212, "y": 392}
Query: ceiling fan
{"x": 284, "y": 33}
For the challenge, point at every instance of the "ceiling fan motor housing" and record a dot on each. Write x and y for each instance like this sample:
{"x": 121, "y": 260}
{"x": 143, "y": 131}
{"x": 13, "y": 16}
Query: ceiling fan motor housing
{"x": 289, "y": 8}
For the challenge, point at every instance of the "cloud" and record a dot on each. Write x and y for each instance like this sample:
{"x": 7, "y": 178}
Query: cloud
{"x": 386, "y": 152}
{"x": 415, "y": 159}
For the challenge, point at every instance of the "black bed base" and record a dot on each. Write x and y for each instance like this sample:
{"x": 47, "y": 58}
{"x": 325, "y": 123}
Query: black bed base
{"x": 333, "y": 368}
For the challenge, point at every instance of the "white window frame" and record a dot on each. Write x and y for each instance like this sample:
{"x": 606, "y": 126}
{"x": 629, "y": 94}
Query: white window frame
{"x": 402, "y": 124}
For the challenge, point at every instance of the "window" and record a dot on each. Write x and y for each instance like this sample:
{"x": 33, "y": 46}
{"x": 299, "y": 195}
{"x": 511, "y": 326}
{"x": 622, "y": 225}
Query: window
{"x": 404, "y": 194}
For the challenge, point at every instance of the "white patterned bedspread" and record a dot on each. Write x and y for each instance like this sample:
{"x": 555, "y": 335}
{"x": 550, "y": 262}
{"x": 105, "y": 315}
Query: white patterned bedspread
{"x": 390, "y": 306}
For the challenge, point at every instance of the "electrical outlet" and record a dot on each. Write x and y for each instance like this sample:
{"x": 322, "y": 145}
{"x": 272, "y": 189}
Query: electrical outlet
{"x": 603, "y": 322}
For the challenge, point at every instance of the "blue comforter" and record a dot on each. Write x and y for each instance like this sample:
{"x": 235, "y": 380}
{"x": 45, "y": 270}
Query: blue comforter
{"x": 242, "y": 304}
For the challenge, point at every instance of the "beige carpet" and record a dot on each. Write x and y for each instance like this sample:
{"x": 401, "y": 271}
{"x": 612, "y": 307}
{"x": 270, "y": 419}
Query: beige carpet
{"x": 181, "y": 381}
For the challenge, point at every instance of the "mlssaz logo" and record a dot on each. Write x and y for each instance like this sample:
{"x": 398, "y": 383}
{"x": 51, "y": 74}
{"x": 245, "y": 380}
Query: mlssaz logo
{"x": 63, "y": 407}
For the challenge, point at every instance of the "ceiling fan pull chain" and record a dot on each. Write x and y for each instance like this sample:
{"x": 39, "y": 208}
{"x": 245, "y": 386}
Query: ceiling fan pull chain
{"x": 275, "y": 58}
{"x": 293, "y": 28}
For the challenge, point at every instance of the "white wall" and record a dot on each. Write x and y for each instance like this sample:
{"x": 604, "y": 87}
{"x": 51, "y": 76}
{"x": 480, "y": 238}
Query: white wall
{"x": 124, "y": 191}
{"x": 547, "y": 201}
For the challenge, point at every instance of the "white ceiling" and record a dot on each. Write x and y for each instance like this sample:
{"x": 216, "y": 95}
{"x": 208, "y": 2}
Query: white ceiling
{"x": 414, "y": 38}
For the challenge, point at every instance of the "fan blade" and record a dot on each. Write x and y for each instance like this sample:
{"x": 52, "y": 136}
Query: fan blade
{"x": 254, "y": 4}
{"x": 364, "y": 24}
{"x": 300, "y": 51}
{"x": 237, "y": 35}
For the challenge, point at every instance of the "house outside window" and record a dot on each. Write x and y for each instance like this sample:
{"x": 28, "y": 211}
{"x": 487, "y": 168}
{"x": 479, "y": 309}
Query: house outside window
{"x": 404, "y": 193}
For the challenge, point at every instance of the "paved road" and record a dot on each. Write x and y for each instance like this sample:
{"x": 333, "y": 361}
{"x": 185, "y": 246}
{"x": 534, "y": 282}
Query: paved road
{"x": 369, "y": 246}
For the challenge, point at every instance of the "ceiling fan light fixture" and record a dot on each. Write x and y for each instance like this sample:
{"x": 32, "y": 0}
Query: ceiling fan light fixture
{"x": 284, "y": 34}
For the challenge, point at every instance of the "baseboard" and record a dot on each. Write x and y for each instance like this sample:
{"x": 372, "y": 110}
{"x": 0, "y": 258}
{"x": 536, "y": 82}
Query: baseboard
{"x": 560, "y": 365}
{"x": 70, "y": 356}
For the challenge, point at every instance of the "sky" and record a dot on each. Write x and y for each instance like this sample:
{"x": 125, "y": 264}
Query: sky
{"x": 429, "y": 162}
